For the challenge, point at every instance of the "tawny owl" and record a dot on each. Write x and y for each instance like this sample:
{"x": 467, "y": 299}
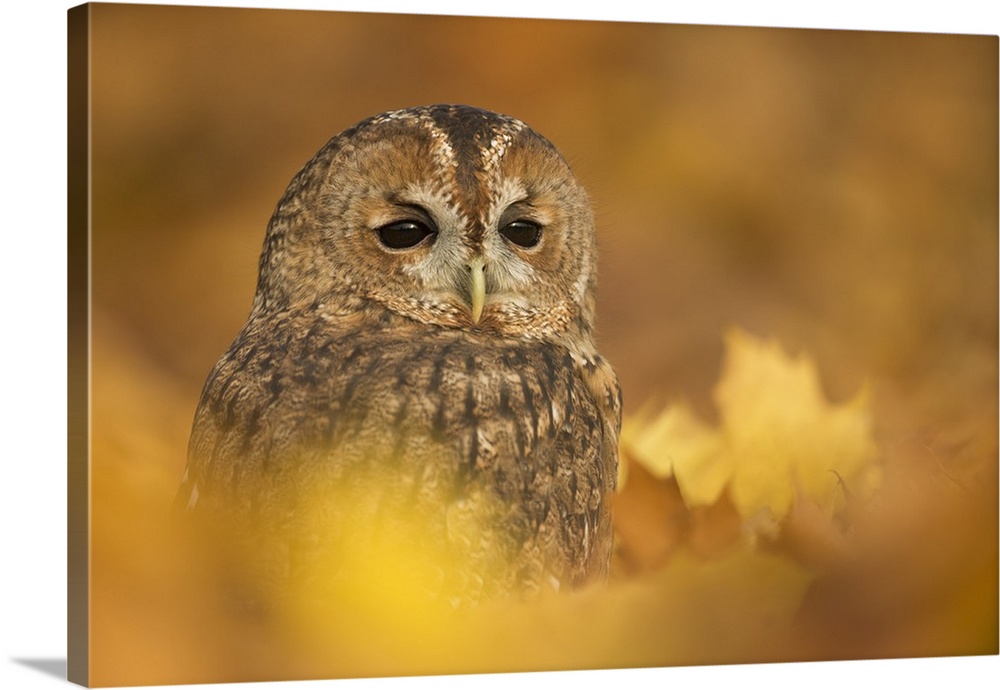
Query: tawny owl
{"x": 421, "y": 344}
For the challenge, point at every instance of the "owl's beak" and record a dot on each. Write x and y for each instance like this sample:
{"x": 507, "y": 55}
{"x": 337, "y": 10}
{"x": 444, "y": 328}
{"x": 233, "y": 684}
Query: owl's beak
{"x": 477, "y": 287}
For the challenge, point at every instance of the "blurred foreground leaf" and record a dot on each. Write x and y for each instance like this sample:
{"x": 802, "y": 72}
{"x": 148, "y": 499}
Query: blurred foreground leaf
{"x": 778, "y": 437}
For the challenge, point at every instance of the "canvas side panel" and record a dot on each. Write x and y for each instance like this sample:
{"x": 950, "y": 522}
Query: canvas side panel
{"x": 78, "y": 280}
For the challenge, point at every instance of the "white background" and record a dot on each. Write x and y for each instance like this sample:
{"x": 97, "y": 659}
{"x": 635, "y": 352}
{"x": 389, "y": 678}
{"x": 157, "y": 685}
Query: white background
{"x": 33, "y": 342}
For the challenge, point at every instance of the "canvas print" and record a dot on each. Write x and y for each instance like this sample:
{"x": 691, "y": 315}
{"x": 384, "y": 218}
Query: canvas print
{"x": 420, "y": 345}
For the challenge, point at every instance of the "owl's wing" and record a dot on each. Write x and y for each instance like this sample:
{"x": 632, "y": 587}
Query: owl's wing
{"x": 602, "y": 382}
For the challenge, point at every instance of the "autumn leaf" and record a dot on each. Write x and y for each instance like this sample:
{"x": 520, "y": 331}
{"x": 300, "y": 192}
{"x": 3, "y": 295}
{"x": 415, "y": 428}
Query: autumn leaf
{"x": 784, "y": 435}
{"x": 778, "y": 437}
{"x": 677, "y": 444}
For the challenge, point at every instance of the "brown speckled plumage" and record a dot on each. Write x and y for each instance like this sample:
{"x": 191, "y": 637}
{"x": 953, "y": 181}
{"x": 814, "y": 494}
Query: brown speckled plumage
{"x": 362, "y": 364}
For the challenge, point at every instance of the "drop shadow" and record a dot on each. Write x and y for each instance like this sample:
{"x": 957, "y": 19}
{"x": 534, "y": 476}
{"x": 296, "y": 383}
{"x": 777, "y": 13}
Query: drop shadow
{"x": 52, "y": 667}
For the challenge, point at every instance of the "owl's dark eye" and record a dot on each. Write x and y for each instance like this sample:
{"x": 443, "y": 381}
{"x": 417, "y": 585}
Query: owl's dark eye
{"x": 403, "y": 234}
{"x": 523, "y": 233}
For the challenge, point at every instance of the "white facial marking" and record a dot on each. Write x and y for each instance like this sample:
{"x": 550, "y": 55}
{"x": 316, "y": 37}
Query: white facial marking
{"x": 441, "y": 268}
{"x": 508, "y": 191}
{"x": 506, "y": 272}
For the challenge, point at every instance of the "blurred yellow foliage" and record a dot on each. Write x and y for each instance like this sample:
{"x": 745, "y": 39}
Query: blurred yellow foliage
{"x": 694, "y": 591}
{"x": 778, "y": 437}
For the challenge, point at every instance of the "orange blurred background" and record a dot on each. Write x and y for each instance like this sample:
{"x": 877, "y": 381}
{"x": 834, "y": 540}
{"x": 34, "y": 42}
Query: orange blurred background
{"x": 837, "y": 190}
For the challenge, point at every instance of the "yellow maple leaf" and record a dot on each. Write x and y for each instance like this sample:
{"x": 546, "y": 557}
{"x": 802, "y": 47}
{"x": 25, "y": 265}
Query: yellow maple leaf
{"x": 778, "y": 437}
{"x": 783, "y": 434}
{"x": 677, "y": 444}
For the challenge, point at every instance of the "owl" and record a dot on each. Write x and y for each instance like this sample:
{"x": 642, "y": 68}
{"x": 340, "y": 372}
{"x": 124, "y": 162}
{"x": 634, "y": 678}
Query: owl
{"x": 418, "y": 368}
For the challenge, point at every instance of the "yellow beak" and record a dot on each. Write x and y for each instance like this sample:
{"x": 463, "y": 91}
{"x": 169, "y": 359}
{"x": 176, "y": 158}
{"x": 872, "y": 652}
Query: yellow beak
{"x": 477, "y": 287}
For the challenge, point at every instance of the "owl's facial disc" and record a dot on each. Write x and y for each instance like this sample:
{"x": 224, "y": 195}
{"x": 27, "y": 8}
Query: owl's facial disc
{"x": 475, "y": 272}
{"x": 444, "y": 215}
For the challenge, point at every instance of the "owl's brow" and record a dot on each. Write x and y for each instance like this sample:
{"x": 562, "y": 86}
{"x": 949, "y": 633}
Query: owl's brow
{"x": 468, "y": 148}
{"x": 404, "y": 200}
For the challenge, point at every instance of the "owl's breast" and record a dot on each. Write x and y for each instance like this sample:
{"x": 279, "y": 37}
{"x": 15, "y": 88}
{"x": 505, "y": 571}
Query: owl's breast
{"x": 430, "y": 419}
{"x": 458, "y": 409}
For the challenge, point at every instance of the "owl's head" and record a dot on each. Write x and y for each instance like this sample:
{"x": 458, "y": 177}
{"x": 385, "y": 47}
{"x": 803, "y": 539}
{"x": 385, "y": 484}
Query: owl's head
{"x": 448, "y": 215}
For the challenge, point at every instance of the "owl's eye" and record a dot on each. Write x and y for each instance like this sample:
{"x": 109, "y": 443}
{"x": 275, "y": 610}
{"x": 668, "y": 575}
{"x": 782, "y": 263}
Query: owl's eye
{"x": 523, "y": 233}
{"x": 403, "y": 234}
